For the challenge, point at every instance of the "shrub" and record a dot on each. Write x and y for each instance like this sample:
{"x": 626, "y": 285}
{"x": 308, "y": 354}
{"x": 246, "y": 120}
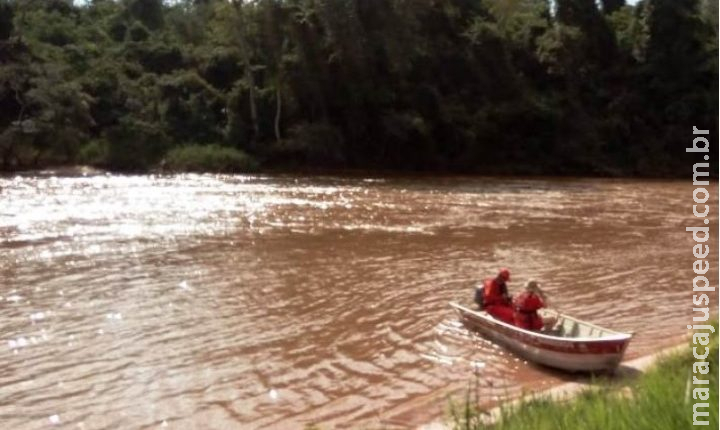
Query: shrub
{"x": 94, "y": 153}
{"x": 134, "y": 144}
{"x": 209, "y": 158}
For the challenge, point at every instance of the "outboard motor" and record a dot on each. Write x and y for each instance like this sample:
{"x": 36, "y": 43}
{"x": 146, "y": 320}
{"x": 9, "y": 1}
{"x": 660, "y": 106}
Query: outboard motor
{"x": 479, "y": 295}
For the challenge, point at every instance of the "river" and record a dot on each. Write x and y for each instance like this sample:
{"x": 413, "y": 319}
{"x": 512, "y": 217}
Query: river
{"x": 218, "y": 302}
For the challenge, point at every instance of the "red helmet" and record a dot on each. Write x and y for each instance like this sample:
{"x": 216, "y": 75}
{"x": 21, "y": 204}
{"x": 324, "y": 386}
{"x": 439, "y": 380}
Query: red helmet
{"x": 504, "y": 274}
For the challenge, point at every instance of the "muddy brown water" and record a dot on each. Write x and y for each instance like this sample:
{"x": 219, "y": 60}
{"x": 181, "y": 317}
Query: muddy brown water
{"x": 218, "y": 302}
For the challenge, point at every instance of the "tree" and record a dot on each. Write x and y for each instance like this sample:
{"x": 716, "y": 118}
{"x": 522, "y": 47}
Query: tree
{"x": 7, "y": 13}
{"x": 680, "y": 73}
{"x": 599, "y": 87}
{"x": 242, "y": 35}
{"x": 274, "y": 18}
{"x": 611, "y": 6}
{"x": 149, "y": 12}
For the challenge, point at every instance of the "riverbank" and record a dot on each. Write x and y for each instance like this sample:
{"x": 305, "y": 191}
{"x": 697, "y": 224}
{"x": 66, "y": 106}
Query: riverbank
{"x": 431, "y": 411}
{"x": 650, "y": 392}
{"x": 89, "y": 170}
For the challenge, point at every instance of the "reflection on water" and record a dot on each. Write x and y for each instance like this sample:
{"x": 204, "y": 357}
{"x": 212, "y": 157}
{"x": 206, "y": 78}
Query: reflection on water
{"x": 270, "y": 302}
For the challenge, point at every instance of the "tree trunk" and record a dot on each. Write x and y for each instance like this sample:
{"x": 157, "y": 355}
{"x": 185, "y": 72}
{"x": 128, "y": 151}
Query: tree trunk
{"x": 249, "y": 78}
{"x": 278, "y": 112}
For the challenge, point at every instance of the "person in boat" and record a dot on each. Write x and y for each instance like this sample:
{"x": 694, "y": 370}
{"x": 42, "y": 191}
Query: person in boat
{"x": 526, "y": 306}
{"x": 495, "y": 297}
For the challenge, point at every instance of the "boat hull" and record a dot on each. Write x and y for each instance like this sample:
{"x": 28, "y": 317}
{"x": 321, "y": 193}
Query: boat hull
{"x": 566, "y": 353}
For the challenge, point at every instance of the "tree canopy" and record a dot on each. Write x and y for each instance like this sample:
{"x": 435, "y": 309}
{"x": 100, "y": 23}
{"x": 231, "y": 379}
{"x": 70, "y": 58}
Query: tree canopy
{"x": 472, "y": 86}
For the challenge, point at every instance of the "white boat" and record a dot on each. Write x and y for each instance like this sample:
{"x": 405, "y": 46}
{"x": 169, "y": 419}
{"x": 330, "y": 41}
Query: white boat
{"x": 571, "y": 344}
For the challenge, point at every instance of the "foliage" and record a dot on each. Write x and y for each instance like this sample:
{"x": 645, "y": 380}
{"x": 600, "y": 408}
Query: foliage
{"x": 6, "y": 20}
{"x": 94, "y": 153}
{"x": 314, "y": 144}
{"x": 192, "y": 110}
{"x": 486, "y": 86}
{"x": 209, "y": 158}
{"x": 134, "y": 144}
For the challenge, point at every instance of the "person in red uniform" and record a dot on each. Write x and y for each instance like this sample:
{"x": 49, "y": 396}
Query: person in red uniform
{"x": 496, "y": 300}
{"x": 526, "y": 306}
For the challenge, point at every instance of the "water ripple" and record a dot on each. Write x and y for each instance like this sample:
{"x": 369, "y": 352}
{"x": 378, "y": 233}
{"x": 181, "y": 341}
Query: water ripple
{"x": 220, "y": 301}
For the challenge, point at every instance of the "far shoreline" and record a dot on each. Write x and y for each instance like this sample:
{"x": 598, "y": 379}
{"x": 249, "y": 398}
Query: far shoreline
{"x": 74, "y": 170}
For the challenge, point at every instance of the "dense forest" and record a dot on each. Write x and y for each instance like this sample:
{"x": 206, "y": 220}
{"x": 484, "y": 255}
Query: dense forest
{"x": 471, "y": 86}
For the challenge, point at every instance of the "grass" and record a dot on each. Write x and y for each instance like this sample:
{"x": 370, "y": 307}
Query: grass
{"x": 657, "y": 400}
{"x": 208, "y": 158}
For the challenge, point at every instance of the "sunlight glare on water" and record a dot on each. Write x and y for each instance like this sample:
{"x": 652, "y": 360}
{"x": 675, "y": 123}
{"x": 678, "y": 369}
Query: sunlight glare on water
{"x": 215, "y": 302}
